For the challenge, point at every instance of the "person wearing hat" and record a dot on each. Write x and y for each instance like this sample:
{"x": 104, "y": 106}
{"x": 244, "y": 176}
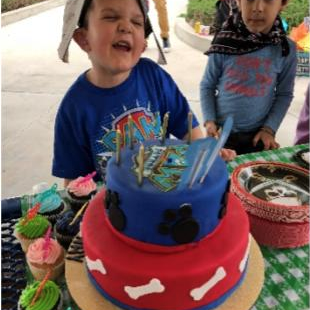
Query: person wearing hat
{"x": 120, "y": 85}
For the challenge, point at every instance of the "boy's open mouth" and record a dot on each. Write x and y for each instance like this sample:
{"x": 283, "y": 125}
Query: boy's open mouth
{"x": 122, "y": 46}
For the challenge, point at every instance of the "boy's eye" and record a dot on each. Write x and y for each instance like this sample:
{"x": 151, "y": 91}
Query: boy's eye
{"x": 138, "y": 23}
{"x": 110, "y": 17}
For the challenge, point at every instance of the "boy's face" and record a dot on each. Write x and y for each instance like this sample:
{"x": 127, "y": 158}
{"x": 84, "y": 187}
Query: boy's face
{"x": 114, "y": 38}
{"x": 259, "y": 15}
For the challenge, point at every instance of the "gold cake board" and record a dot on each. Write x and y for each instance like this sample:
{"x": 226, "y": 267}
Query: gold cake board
{"x": 87, "y": 297}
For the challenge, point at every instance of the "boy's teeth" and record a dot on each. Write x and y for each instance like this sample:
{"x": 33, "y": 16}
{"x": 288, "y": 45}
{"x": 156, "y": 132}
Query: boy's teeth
{"x": 123, "y": 44}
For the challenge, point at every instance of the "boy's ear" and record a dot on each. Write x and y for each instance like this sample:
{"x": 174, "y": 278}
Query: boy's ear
{"x": 79, "y": 36}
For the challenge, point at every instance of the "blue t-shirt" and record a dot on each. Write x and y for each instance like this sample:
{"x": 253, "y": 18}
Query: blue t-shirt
{"x": 256, "y": 89}
{"x": 87, "y": 119}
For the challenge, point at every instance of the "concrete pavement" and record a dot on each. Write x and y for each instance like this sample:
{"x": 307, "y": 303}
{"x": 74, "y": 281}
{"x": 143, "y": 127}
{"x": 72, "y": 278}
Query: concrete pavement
{"x": 34, "y": 81}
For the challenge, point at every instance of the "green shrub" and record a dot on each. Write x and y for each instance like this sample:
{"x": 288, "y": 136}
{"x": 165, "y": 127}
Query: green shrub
{"x": 204, "y": 11}
{"x": 201, "y": 10}
{"x": 295, "y": 12}
{"x": 9, "y": 5}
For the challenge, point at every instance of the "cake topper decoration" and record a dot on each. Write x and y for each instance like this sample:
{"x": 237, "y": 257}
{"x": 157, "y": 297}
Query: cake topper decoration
{"x": 220, "y": 143}
{"x": 190, "y": 124}
{"x": 164, "y": 128}
{"x": 201, "y": 155}
{"x": 86, "y": 178}
{"x": 40, "y": 287}
{"x": 196, "y": 155}
{"x": 118, "y": 146}
{"x": 163, "y": 165}
{"x": 130, "y": 131}
{"x": 140, "y": 164}
{"x": 47, "y": 241}
{"x": 79, "y": 213}
{"x": 31, "y": 213}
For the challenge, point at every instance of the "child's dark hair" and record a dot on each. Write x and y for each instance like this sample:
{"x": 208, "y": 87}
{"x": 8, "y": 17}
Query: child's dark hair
{"x": 83, "y": 21}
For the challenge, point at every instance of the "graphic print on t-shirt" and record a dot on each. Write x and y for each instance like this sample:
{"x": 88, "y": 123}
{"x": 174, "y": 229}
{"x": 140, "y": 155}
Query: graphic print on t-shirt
{"x": 249, "y": 76}
{"x": 146, "y": 126}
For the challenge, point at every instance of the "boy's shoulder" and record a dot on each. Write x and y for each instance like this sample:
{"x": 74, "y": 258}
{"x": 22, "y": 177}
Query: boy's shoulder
{"x": 78, "y": 83}
{"x": 148, "y": 63}
{"x": 76, "y": 91}
{"x": 147, "y": 67}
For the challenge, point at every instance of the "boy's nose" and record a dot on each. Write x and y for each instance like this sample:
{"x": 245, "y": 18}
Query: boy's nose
{"x": 124, "y": 27}
{"x": 258, "y": 6}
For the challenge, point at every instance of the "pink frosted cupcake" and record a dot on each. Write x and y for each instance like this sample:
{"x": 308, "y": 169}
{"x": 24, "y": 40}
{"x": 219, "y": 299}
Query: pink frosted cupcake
{"x": 80, "y": 191}
{"x": 43, "y": 255}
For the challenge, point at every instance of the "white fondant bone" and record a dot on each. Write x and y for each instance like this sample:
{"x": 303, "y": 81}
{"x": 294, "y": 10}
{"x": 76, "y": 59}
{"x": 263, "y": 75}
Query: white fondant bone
{"x": 199, "y": 292}
{"x": 245, "y": 257}
{"x": 95, "y": 265}
{"x": 154, "y": 286}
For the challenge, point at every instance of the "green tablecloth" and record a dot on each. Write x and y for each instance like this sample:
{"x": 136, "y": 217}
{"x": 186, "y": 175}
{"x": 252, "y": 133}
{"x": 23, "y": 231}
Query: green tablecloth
{"x": 286, "y": 285}
{"x": 284, "y": 155}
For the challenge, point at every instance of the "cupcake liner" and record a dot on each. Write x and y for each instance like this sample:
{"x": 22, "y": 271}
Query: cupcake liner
{"x": 63, "y": 240}
{"x": 39, "y": 273}
{"x": 77, "y": 202}
{"x": 24, "y": 242}
{"x": 76, "y": 205}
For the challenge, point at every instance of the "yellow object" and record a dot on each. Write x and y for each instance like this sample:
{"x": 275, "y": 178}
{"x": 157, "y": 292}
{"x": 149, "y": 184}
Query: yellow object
{"x": 304, "y": 43}
{"x": 197, "y": 27}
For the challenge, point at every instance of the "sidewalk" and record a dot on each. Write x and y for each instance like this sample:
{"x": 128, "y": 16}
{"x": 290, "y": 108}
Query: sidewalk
{"x": 34, "y": 81}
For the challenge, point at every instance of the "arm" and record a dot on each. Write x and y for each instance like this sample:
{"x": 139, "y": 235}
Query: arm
{"x": 284, "y": 91}
{"x": 66, "y": 182}
{"x": 72, "y": 157}
{"x": 283, "y": 97}
{"x": 196, "y": 134}
{"x": 208, "y": 87}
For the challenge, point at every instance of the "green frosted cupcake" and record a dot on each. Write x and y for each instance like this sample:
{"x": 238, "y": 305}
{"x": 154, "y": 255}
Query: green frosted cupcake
{"x": 30, "y": 228}
{"x": 50, "y": 298}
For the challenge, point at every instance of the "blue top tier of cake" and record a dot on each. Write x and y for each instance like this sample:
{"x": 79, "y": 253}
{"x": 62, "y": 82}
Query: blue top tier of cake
{"x": 157, "y": 211}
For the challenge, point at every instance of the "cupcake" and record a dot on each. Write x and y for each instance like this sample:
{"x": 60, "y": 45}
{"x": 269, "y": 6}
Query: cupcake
{"x": 80, "y": 191}
{"x": 67, "y": 227}
{"x": 31, "y": 227}
{"x": 41, "y": 295}
{"x": 51, "y": 204}
{"x": 43, "y": 255}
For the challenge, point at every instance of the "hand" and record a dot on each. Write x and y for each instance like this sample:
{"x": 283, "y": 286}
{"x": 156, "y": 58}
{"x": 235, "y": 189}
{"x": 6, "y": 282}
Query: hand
{"x": 267, "y": 138}
{"x": 211, "y": 129}
{"x": 227, "y": 154}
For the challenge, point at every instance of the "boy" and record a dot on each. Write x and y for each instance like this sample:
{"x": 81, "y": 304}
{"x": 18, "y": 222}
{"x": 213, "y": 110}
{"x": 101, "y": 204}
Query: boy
{"x": 118, "y": 84}
{"x": 250, "y": 75}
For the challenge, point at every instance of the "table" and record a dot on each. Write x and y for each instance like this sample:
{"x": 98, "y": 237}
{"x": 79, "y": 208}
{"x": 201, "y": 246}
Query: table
{"x": 286, "y": 270}
{"x": 286, "y": 285}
